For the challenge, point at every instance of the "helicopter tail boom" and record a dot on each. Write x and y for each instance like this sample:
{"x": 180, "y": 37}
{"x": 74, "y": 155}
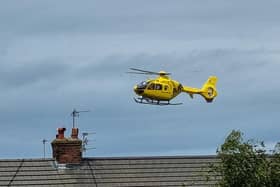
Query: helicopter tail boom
{"x": 208, "y": 90}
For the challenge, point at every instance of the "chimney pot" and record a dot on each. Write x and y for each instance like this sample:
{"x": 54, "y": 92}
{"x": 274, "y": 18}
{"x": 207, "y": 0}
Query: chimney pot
{"x": 75, "y": 133}
{"x": 60, "y": 134}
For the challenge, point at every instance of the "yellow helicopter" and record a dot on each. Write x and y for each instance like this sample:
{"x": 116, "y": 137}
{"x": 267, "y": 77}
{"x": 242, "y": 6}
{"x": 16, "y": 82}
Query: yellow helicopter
{"x": 161, "y": 90}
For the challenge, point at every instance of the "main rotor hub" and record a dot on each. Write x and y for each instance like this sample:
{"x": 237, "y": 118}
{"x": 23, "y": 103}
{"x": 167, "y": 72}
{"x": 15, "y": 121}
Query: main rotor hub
{"x": 163, "y": 73}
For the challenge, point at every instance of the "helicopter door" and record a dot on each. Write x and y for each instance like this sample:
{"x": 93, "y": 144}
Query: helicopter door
{"x": 155, "y": 87}
{"x": 165, "y": 91}
{"x": 166, "y": 88}
{"x": 154, "y": 90}
{"x": 151, "y": 86}
{"x": 158, "y": 87}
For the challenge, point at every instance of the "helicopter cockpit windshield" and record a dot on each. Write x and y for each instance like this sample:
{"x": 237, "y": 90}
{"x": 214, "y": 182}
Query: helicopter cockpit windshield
{"x": 142, "y": 85}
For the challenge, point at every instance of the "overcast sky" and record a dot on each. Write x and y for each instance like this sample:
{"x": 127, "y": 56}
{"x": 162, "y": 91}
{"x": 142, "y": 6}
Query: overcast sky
{"x": 60, "y": 55}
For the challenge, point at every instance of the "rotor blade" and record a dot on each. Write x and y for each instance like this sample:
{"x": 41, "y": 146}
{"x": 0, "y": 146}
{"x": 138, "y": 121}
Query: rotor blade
{"x": 144, "y": 71}
{"x": 141, "y": 73}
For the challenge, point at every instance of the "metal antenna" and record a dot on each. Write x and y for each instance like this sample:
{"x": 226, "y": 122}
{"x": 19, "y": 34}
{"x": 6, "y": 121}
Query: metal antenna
{"x": 85, "y": 141}
{"x": 75, "y": 114}
{"x": 44, "y": 143}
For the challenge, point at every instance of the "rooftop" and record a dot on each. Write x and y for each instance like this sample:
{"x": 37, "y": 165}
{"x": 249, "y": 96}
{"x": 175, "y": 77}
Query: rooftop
{"x": 109, "y": 171}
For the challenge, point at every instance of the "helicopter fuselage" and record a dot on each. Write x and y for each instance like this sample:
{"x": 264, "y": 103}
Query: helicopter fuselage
{"x": 162, "y": 88}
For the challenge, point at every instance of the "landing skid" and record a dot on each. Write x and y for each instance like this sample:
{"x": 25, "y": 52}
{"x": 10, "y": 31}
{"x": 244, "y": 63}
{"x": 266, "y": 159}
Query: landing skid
{"x": 154, "y": 102}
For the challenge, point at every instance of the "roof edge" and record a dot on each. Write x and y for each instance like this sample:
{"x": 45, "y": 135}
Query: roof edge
{"x": 117, "y": 158}
{"x": 152, "y": 157}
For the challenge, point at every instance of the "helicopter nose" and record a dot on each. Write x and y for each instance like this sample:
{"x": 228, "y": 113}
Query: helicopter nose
{"x": 137, "y": 90}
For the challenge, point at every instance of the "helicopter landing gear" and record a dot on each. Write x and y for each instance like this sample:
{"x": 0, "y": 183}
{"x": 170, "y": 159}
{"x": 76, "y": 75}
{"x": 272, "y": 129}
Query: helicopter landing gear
{"x": 142, "y": 100}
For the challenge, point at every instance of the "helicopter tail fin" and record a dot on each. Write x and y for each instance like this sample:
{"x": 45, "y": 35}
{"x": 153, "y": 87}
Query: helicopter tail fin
{"x": 208, "y": 90}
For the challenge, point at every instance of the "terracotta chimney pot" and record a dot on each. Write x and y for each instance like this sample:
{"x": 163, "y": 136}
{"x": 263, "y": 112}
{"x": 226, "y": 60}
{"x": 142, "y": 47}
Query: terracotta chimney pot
{"x": 60, "y": 134}
{"x": 75, "y": 132}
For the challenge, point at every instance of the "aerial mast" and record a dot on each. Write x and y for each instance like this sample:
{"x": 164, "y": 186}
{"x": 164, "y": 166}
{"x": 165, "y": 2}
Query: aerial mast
{"x": 44, "y": 144}
{"x": 75, "y": 114}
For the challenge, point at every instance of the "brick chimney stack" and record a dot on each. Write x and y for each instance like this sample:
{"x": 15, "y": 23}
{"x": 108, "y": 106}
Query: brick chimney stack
{"x": 67, "y": 150}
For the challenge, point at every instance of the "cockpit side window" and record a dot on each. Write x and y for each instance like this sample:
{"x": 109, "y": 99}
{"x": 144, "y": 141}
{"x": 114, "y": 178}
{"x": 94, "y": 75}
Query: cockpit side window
{"x": 151, "y": 86}
{"x": 158, "y": 87}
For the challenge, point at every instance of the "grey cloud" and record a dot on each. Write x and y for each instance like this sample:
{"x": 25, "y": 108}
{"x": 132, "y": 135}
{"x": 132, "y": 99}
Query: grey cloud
{"x": 24, "y": 75}
{"x": 147, "y": 17}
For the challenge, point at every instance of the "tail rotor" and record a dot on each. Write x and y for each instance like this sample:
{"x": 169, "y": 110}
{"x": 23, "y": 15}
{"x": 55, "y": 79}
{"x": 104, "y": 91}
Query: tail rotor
{"x": 209, "y": 91}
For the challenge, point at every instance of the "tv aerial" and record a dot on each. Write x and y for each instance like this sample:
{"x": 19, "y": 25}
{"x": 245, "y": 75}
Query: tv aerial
{"x": 76, "y": 114}
{"x": 86, "y": 141}
{"x": 44, "y": 141}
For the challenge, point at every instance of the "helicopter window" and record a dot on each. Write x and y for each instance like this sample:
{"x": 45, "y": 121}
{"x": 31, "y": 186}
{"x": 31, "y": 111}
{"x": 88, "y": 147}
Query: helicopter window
{"x": 158, "y": 87}
{"x": 142, "y": 85}
{"x": 151, "y": 86}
